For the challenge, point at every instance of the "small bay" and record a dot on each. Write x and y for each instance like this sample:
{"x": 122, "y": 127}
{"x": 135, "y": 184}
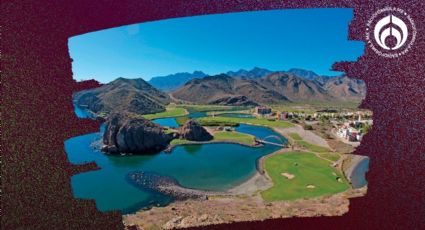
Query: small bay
{"x": 218, "y": 166}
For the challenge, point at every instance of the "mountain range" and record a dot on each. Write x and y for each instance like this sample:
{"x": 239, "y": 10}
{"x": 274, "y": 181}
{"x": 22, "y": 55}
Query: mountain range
{"x": 242, "y": 87}
{"x": 276, "y": 87}
{"x": 174, "y": 81}
{"x": 254, "y": 73}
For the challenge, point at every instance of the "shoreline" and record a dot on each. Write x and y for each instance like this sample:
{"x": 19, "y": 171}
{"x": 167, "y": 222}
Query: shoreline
{"x": 355, "y": 162}
{"x": 167, "y": 116}
{"x": 221, "y": 210}
{"x": 259, "y": 181}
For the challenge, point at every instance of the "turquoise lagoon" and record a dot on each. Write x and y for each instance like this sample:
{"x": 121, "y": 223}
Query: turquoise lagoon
{"x": 217, "y": 167}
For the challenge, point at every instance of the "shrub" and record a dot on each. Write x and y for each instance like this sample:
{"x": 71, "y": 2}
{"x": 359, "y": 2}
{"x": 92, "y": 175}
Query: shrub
{"x": 182, "y": 120}
{"x": 308, "y": 127}
{"x": 217, "y": 123}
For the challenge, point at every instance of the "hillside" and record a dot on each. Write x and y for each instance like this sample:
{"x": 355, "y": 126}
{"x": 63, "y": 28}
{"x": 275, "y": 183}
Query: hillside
{"x": 276, "y": 87}
{"x": 219, "y": 88}
{"x": 306, "y": 74}
{"x": 295, "y": 88}
{"x": 124, "y": 95}
{"x": 345, "y": 88}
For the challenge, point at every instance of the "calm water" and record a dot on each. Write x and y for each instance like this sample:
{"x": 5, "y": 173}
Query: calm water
{"x": 209, "y": 166}
{"x": 167, "y": 122}
{"x": 358, "y": 177}
{"x": 195, "y": 114}
{"x": 82, "y": 113}
{"x": 171, "y": 121}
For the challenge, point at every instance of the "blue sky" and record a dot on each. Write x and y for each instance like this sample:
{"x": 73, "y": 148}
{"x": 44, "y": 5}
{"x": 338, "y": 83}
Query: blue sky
{"x": 312, "y": 39}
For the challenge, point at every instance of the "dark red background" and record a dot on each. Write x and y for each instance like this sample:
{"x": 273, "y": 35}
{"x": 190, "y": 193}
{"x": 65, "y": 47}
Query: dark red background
{"x": 37, "y": 113}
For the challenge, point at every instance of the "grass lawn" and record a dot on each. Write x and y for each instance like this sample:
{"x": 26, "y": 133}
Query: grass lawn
{"x": 208, "y": 122}
{"x": 323, "y": 152}
{"x": 234, "y": 136}
{"x": 308, "y": 170}
{"x": 295, "y": 136}
{"x": 168, "y": 131}
{"x": 179, "y": 141}
{"x": 330, "y": 156}
{"x": 223, "y": 136}
{"x": 253, "y": 121}
{"x": 313, "y": 148}
{"x": 182, "y": 120}
{"x": 170, "y": 112}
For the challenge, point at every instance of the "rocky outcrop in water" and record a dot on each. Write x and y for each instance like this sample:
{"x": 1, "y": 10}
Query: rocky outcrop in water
{"x": 193, "y": 131}
{"x": 165, "y": 185}
{"x": 126, "y": 133}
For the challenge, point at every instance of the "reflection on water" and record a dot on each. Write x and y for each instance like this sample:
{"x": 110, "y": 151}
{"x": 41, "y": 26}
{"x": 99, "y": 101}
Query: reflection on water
{"x": 192, "y": 149}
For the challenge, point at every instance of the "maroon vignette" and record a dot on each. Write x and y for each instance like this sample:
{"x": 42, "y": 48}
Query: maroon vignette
{"x": 37, "y": 113}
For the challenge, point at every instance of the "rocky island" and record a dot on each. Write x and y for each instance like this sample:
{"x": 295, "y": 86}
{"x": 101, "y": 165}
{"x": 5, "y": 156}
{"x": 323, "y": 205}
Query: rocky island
{"x": 126, "y": 133}
{"x": 193, "y": 131}
{"x": 130, "y": 133}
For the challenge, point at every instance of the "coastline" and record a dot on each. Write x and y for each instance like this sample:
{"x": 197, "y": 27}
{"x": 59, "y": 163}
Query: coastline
{"x": 221, "y": 210}
{"x": 259, "y": 181}
{"x": 355, "y": 162}
{"x": 237, "y": 204}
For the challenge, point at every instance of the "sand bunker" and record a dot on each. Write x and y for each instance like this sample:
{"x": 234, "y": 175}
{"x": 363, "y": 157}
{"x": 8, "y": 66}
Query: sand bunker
{"x": 310, "y": 186}
{"x": 288, "y": 175}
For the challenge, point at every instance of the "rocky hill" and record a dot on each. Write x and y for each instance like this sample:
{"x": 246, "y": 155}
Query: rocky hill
{"x": 133, "y": 134}
{"x": 193, "y": 131}
{"x": 345, "y": 88}
{"x": 124, "y": 95}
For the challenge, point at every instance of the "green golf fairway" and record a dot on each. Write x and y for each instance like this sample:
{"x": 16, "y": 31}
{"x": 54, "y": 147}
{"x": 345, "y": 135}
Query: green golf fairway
{"x": 308, "y": 170}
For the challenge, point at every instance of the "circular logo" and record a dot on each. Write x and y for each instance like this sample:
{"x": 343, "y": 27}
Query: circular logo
{"x": 390, "y": 32}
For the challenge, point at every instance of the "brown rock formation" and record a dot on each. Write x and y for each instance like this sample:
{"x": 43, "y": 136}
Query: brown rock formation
{"x": 133, "y": 134}
{"x": 193, "y": 131}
